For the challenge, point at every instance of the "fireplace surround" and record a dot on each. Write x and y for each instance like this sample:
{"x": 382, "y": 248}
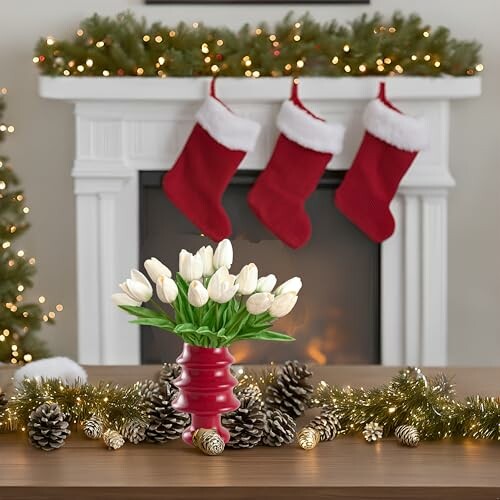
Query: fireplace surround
{"x": 128, "y": 125}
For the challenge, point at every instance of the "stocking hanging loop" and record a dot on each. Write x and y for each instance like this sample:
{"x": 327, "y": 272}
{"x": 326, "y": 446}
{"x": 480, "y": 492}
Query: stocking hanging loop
{"x": 212, "y": 87}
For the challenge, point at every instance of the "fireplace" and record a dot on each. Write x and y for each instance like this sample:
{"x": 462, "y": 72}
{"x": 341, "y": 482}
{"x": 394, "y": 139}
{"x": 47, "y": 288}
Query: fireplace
{"x": 127, "y": 126}
{"x": 337, "y": 318}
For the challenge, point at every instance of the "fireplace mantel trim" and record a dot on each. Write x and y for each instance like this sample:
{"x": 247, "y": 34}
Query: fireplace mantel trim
{"x": 125, "y": 125}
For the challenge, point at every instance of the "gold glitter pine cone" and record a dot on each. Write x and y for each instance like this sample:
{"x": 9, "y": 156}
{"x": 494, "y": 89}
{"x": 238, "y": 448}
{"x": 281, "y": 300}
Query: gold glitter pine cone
{"x": 308, "y": 438}
{"x": 208, "y": 441}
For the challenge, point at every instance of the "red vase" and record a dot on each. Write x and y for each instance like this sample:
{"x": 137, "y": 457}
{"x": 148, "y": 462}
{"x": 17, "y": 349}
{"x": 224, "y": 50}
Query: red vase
{"x": 205, "y": 388}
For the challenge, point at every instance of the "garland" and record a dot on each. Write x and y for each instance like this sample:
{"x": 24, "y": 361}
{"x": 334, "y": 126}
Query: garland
{"x": 114, "y": 405}
{"x": 411, "y": 406}
{"x": 126, "y": 46}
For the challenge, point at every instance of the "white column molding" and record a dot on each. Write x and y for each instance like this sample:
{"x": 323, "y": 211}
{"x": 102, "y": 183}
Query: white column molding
{"x": 125, "y": 125}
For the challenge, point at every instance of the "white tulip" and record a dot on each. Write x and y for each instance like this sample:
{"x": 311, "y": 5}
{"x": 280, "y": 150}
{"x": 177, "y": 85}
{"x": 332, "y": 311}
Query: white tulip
{"x": 155, "y": 269}
{"x": 259, "y": 303}
{"x": 221, "y": 287}
{"x": 283, "y": 304}
{"x": 122, "y": 299}
{"x": 166, "y": 289}
{"x": 292, "y": 285}
{"x": 266, "y": 283}
{"x": 247, "y": 279}
{"x": 207, "y": 256}
{"x": 190, "y": 266}
{"x": 223, "y": 256}
{"x": 137, "y": 287}
{"x": 197, "y": 294}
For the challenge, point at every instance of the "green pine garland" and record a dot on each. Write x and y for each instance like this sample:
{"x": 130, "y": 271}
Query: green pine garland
{"x": 127, "y": 46}
{"x": 410, "y": 398}
{"x": 113, "y": 404}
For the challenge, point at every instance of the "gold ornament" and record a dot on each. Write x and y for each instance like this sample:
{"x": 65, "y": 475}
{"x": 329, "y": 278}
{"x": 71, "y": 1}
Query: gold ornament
{"x": 113, "y": 439}
{"x": 208, "y": 441}
{"x": 407, "y": 435}
{"x": 308, "y": 438}
{"x": 373, "y": 432}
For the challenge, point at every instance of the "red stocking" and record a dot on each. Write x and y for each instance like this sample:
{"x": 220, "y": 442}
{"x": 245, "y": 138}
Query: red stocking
{"x": 305, "y": 146}
{"x": 217, "y": 145}
{"x": 390, "y": 144}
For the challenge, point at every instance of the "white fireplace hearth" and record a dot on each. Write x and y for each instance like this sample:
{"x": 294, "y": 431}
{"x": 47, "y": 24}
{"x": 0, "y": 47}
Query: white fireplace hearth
{"x": 125, "y": 125}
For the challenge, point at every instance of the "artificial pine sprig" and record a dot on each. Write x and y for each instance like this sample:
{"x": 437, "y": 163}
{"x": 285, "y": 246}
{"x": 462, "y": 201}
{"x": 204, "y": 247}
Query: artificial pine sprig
{"x": 113, "y": 404}
{"x": 369, "y": 45}
{"x": 429, "y": 405}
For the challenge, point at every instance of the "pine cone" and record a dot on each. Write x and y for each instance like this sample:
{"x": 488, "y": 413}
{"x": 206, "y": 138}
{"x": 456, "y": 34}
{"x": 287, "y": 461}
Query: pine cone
{"x": 147, "y": 388}
{"x": 280, "y": 428}
{"x": 93, "y": 427}
{"x": 164, "y": 422}
{"x": 373, "y": 431}
{"x": 169, "y": 372}
{"x": 290, "y": 391}
{"x": 113, "y": 439}
{"x": 327, "y": 424}
{"x": 248, "y": 391}
{"x": 47, "y": 427}
{"x": 134, "y": 431}
{"x": 246, "y": 424}
{"x": 3, "y": 401}
{"x": 407, "y": 435}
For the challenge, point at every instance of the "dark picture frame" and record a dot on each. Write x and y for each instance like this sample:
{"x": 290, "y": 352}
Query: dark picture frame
{"x": 269, "y": 2}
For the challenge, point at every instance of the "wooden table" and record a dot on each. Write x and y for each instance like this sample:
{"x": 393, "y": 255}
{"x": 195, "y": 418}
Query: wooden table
{"x": 346, "y": 468}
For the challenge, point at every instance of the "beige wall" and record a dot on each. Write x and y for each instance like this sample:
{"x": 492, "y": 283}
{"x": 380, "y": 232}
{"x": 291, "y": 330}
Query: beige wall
{"x": 42, "y": 152}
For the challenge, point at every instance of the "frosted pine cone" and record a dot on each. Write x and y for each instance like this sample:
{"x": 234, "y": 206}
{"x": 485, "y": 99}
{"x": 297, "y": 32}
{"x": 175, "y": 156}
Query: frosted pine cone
{"x": 407, "y": 435}
{"x": 93, "y": 427}
{"x": 290, "y": 391}
{"x": 169, "y": 372}
{"x": 147, "y": 388}
{"x": 164, "y": 422}
{"x": 113, "y": 439}
{"x": 47, "y": 427}
{"x": 134, "y": 431}
{"x": 246, "y": 424}
{"x": 327, "y": 424}
{"x": 280, "y": 428}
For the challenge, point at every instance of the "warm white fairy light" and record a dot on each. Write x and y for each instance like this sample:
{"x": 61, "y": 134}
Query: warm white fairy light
{"x": 220, "y": 43}
{"x": 89, "y": 62}
{"x": 99, "y": 44}
{"x": 362, "y": 68}
{"x": 50, "y": 40}
{"x": 300, "y": 63}
{"x": 426, "y": 34}
{"x": 427, "y": 57}
{"x": 195, "y": 25}
{"x": 479, "y": 67}
{"x": 146, "y": 38}
{"x": 296, "y": 38}
{"x": 347, "y": 48}
{"x": 79, "y": 32}
{"x": 172, "y": 33}
{"x": 161, "y": 60}
{"x": 347, "y": 68}
{"x": 80, "y": 68}
{"x": 158, "y": 39}
{"x": 105, "y": 72}
{"x": 414, "y": 57}
{"x": 272, "y": 38}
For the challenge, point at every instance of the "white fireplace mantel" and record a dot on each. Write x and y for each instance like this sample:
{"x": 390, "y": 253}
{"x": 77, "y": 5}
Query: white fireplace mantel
{"x": 125, "y": 125}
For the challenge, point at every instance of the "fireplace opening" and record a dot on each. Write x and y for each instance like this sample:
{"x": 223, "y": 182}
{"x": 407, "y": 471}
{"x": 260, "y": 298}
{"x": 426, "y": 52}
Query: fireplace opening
{"x": 337, "y": 317}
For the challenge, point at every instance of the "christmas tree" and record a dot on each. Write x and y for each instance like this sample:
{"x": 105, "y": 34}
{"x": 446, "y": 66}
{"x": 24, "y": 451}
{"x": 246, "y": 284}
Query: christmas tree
{"x": 19, "y": 320}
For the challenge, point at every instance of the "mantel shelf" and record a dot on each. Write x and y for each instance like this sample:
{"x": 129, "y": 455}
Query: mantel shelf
{"x": 249, "y": 89}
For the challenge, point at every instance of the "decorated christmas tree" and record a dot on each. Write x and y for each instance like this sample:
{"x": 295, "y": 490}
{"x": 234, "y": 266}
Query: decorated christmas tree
{"x": 19, "y": 319}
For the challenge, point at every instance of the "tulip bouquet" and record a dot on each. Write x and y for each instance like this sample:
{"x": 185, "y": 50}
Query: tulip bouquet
{"x": 211, "y": 307}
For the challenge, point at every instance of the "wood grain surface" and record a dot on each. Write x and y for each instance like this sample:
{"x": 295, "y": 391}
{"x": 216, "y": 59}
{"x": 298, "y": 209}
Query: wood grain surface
{"x": 347, "y": 467}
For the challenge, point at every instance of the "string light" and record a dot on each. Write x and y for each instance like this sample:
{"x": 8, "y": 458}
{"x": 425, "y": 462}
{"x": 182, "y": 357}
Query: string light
{"x": 139, "y": 71}
{"x": 220, "y": 43}
{"x": 387, "y": 60}
{"x": 398, "y": 68}
{"x": 195, "y": 25}
{"x": 427, "y": 57}
{"x": 105, "y": 72}
{"x": 50, "y": 40}
{"x": 362, "y": 68}
{"x": 258, "y": 31}
{"x": 347, "y": 68}
{"x": 158, "y": 39}
{"x": 414, "y": 57}
{"x": 59, "y": 307}
{"x": 172, "y": 33}
{"x": 204, "y": 48}
{"x": 426, "y": 34}
{"x": 146, "y": 38}
{"x": 215, "y": 68}
{"x": 300, "y": 63}
{"x": 296, "y": 38}
{"x": 80, "y": 68}
{"x": 99, "y": 44}
{"x": 79, "y": 32}
{"x": 335, "y": 60}
{"x": 437, "y": 64}
{"x": 41, "y": 299}
{"x": 256, "y": 74}
{"x": 272, "y": 38}
{"x": 89, "y": 63}
{"x": 161, "y": 60}
{"x": 347, "y": 48}
{"x": 479, "y": 67}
